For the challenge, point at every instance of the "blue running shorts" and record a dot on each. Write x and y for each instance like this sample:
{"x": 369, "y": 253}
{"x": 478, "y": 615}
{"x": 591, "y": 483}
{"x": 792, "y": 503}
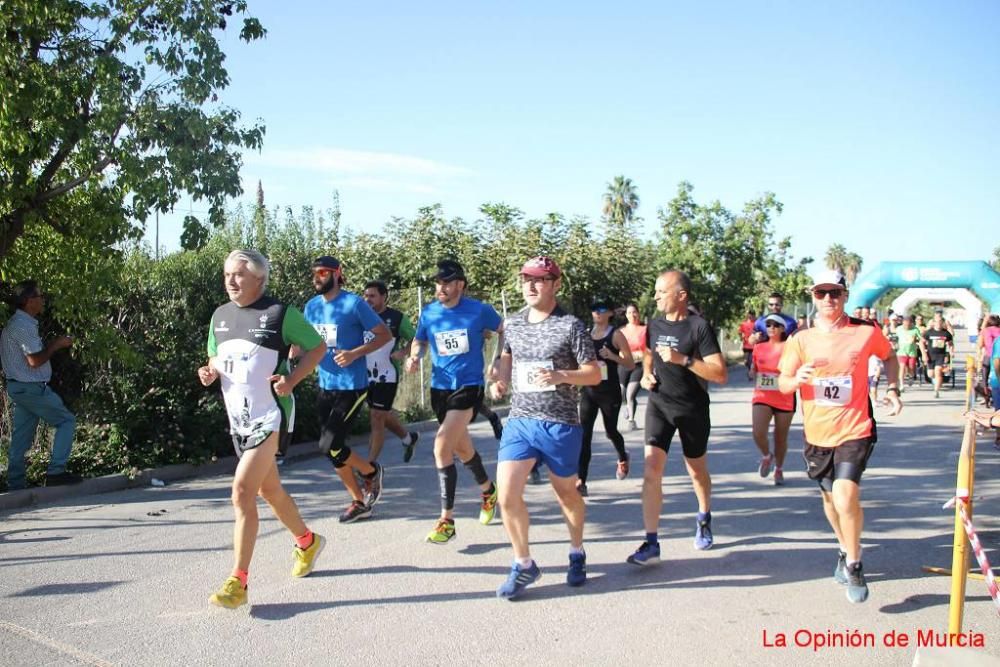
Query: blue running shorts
{"x": 557, "y": 445}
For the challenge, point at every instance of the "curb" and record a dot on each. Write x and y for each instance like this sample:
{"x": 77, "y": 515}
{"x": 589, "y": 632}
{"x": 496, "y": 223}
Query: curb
{"x": 42, "y": 495}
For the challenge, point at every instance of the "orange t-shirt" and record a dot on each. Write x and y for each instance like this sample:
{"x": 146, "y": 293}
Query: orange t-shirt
{"x": 636, "y": 337}
{"x": 835, "y": 405}
{"x": 765, "y": 366}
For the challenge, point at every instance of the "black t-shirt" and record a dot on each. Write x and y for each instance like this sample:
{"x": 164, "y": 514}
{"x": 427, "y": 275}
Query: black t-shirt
{"x": 938, "y": 342}
{"x": 609, "y": 371}
{"x": 676, "y": 385}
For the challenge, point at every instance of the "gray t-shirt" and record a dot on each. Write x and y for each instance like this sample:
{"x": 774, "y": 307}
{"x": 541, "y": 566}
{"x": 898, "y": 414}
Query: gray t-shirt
{"x": 559, "y": 342}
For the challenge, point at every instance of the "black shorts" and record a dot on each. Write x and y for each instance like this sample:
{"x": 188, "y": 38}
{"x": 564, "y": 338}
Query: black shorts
{"x": 625, "y": 376}
{"x": 336, "y": 408}
{"x": 748, "y": 357}
{"x": 463, "y": 398}
{"x": 778, "y": 411}
{"x": 845, "y": 461}
{"x": 935, "y": 362}
{"x": 661, "y": 424}
{"x": 381, "y": 395}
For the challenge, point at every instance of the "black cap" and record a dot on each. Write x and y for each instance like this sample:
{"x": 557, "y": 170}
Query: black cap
{"x": 326, "y": 262}
{"x": 449, "y": 269}
{"x": 600, "y": 304}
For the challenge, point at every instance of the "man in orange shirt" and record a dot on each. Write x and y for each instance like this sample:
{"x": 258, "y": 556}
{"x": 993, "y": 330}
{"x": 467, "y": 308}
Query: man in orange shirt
{"x": 828, "y": 365}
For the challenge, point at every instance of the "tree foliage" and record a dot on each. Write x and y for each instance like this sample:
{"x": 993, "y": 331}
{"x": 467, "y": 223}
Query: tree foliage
{"x": 109, "y": 110}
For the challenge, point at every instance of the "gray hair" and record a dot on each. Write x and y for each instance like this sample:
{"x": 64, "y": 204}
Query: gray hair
{"x": 256, "y": 263}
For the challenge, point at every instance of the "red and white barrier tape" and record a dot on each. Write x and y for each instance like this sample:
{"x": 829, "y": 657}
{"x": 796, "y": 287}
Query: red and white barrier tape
{"x": 962, "y": 497}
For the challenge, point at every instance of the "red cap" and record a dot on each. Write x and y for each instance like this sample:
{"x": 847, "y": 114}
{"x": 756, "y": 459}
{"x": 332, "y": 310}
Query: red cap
{"x": 538, "y": 267}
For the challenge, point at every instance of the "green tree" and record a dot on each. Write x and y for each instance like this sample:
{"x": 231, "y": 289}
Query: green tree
{"x": 838, "y": 258}
{"x": 109, "y": 110}
{"x": 620, "y": 200}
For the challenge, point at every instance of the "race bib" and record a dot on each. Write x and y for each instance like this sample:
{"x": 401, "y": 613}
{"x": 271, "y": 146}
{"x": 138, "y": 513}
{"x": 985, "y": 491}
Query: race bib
{"x": 450, "y": 343}
{"x": 237, "y": 368}
{"x": 526, "y": 376}
{"x": 767, "y": 381}
{"x": 939, "y": 343}
{"x": 833, "y": 391}
{"x": 328, "y": 332}
{"x": 604, "y": 370}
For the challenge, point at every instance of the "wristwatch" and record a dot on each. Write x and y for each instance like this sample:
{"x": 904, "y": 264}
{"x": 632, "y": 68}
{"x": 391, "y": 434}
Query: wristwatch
{"x": 689, "y": 362}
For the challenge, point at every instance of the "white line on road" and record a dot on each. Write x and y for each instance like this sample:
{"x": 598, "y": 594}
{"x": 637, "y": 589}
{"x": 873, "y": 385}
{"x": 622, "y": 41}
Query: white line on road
{"x": 65, "y": 649}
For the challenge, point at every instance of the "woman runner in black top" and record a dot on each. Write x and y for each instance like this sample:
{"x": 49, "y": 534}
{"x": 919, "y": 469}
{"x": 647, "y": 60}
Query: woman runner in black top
{"x": 612, "y": 350}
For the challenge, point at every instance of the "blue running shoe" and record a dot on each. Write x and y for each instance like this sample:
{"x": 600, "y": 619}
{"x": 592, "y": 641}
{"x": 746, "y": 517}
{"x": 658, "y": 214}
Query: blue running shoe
{"x": 577, "y": 573}
{"x": 703, "y": 534}
{"x": 840, "y": 572}
{"x": 518, "y": 579}
{"x": 647, "y": 554}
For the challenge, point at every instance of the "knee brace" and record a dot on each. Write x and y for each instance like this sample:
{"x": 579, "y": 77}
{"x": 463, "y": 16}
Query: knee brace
{"x": 475, "y": 466}
{"x": 339, "y": 456}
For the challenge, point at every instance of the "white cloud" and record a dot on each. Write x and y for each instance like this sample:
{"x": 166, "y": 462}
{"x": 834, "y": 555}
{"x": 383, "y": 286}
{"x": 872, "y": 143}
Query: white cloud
{"x": 383, "y": 184}
{"x": 342, "y": 161}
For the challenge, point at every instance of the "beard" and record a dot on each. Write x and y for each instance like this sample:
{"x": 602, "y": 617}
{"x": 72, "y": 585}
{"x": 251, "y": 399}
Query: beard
{"x": 328, "y": 285}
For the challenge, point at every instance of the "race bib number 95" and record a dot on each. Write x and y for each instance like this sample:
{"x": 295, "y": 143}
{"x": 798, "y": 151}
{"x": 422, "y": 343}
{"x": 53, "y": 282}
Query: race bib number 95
{"x": 450, "y": 343}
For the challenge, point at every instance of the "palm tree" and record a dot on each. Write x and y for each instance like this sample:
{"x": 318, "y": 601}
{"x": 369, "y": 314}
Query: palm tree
{"x": 852, "y": 267}
{"x": 836, "y": 257}
{"x": 620, "y": 200}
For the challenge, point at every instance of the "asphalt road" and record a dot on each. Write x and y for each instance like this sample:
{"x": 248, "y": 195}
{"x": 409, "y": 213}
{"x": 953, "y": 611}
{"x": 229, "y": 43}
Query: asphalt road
{"x": 124, "y": 577}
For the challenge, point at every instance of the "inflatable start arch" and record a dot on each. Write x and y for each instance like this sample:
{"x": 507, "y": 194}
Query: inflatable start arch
{"x": 977, "y": 277}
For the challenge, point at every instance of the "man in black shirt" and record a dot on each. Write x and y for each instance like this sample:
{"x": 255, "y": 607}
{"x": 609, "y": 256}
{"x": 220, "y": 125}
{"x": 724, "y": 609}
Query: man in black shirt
{"x": 937, "y": 345}
{"x": 682, "y": 356}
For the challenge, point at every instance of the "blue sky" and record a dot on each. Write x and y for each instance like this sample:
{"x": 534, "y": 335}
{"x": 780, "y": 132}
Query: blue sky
{"x": 876, "y": 124}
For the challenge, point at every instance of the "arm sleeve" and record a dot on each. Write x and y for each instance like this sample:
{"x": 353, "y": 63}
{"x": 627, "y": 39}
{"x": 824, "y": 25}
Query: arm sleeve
{"x": 406, "y": 329}
{"x": 296, "y": 331}
{"x": 212, "y": 347}
{"x": 368, "y": 317}
{"x": 491, "y": 319}
{"x": 707, "y": 343}
{"x": 583, "y": 349}
{"x": 791, "y": 357}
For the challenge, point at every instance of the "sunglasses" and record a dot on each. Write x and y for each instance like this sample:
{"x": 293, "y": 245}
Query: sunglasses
{"x": 772, "y": 325}
{"x": 534, "y": 280}
{"x": 322, "y": 273}
{"x": 832, "y": 293}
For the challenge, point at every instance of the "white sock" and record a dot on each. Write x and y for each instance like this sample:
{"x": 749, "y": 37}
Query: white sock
{"x": 577, "y": 551}
{"x": 524, "y": 562}
{"x": 408, "y": 440}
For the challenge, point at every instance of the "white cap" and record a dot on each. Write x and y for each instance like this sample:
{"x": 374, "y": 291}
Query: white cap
{"x": 830, "y": 278}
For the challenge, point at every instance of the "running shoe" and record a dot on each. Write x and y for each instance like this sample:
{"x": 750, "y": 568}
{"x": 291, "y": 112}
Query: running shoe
{"x": 489, "y": 507}
{"x": 305, "y": 559}
{"x": 373, "y": 485}
{"x": 408, "y": 448}
{"x": 442, "y": 533}
{"x": 497, "y": 426}
{"x": 582, "y": 489}
{"x": 622, "y": 471}
{"x": 765, "y": 465}
{"x": 518, "y": 579}
{"x": 279, "y": 459}
{"x": 536, "y": 476}
{"x": 779, "y": 477}
{"x": 703, "y": 535}
{"x": 356, "y": 510}
{"x": 857, "y": 587}
{"x": 631, "y": 425}
{"x": 647, "y": 554}
{"x": 576, "y": 575}
{"x": 231, "y": 595}
{"x": 840, "y": 572}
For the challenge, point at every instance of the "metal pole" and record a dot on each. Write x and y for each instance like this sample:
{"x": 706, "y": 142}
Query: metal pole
{"x": 420, "y": 306}
{"x": 157, "y": 236}
{"x": 960, "y": 550}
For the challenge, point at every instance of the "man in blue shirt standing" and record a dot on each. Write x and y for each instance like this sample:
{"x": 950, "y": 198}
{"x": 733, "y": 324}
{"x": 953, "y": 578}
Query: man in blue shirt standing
{"x": 26, "y": 364}
{"x": 341, "y": 318}
{"x": 453, "y": 327}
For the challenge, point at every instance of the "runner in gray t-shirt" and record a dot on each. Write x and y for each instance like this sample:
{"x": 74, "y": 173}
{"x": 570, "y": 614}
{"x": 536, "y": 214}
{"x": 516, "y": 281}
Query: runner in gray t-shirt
{"x": 547, "y": 354}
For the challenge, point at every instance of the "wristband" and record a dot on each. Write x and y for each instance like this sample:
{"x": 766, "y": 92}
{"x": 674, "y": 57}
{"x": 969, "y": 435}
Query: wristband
{"x": 689, "y": 362}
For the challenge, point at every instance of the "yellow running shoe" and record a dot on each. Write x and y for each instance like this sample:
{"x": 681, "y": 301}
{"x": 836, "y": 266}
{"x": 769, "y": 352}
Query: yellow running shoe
{"x": 231, "y": 595}
{"x": 489, "y": 507}
{"x": 305, "y": 559}
{"x": 442, "y": 533}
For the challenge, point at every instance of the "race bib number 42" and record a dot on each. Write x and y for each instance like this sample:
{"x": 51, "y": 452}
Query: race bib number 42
{"x": 526, "y": 376}
{"x": 833, "y": 391}
{"x": 767, "y": 381}
{"x": 450, "y": 343}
